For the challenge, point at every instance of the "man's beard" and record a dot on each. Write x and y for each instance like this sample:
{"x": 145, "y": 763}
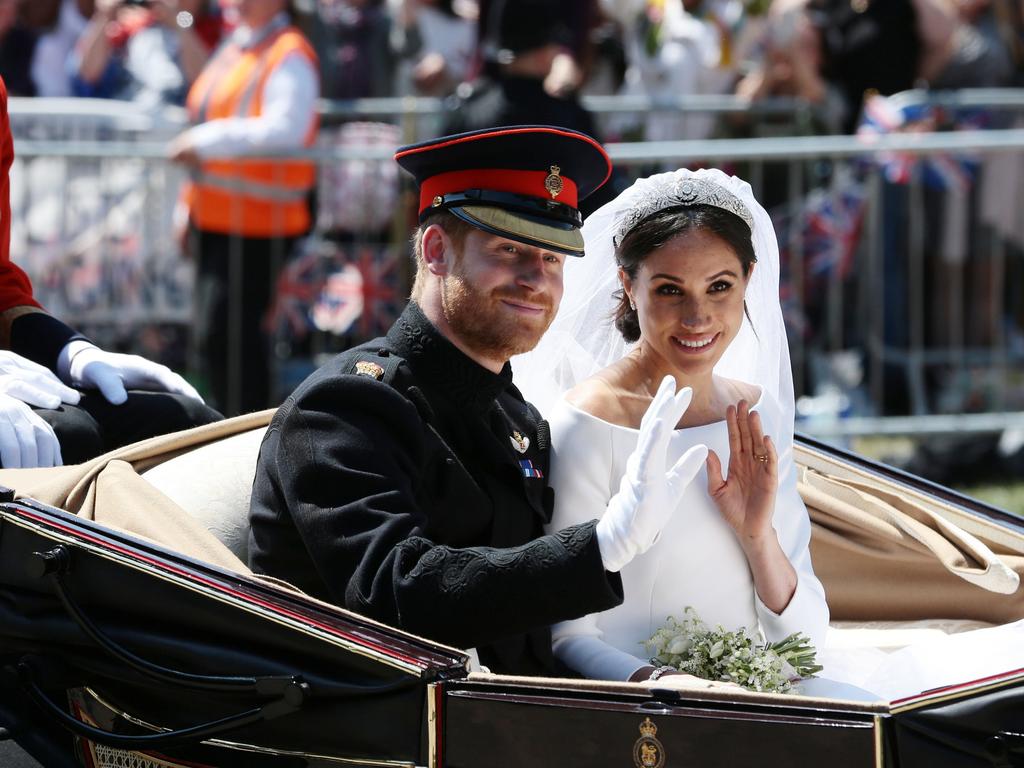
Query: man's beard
{"x": 487, "y": 327}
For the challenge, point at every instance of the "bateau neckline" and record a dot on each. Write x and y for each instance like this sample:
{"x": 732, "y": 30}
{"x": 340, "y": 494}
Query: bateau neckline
{"x": 577, "y": 409}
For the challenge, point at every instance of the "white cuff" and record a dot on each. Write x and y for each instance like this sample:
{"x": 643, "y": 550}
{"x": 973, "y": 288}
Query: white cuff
{"x": 779, "y": 626}
{"x": 71, "y": 349}
{"x": 615, "y": 552}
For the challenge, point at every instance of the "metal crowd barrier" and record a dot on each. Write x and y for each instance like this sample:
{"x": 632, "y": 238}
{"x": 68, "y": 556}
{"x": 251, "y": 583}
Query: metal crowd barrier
{"x": 895, "y": 329}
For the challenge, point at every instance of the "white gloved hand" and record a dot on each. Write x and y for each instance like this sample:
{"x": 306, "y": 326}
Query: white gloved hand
{"x": 31, "y": 383}
{"x": 679, "y": 681}
{"x": 113, "y": 373}
{"x": 25, "y": 439}
{"x": 648, "y": 493}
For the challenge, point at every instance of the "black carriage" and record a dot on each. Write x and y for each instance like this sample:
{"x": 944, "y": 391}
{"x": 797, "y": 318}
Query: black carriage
{"x": 118, "y": 650}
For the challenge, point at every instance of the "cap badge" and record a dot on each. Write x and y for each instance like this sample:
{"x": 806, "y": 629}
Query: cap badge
{"x": 519, "y": 441}
{"x": 553, "y": 182}
{"x": 369, "y": 368}
{"x": 436, "y": 202}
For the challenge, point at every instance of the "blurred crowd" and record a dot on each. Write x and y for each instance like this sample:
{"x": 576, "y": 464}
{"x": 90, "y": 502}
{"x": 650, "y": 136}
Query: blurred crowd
{"x": 249, "y": 73}
{"x": 498, "y": 59}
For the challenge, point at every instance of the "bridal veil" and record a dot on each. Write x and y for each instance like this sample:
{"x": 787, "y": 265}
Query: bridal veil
{"x": 583, "y": 339}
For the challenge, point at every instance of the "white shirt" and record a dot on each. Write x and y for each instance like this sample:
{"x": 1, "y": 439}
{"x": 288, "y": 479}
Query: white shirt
{"x": 288, "y": 110}
{"x": 697, "y": 560}
{"x": 451, "y": 36}
{"x": 50, "y": 62}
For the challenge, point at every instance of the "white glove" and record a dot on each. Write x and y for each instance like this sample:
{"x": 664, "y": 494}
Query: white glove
{"x": 31, "y": 383}
{"x": 113, "y": 373}
{"x": 25, "y": 439}
{"x": 685, "y": 682}
{"x": 648, "y": 494}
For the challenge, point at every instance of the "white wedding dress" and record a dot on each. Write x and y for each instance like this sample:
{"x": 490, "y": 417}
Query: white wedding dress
{"x": 697, "y": 560}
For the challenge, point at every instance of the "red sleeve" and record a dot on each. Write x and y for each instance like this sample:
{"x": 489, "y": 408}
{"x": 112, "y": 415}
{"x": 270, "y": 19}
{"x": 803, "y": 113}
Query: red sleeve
{"x": 15, "y": 288}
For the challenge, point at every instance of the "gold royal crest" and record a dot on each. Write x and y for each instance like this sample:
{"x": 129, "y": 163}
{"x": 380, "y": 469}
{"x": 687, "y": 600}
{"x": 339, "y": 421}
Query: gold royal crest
{"x": 647, "y": 751}
{"x": 553, "y": 182}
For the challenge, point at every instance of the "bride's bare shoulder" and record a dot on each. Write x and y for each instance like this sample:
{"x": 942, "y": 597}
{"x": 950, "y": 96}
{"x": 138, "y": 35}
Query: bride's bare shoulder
{"x": 602, "y": 396}
{"x": 731, "y": 391}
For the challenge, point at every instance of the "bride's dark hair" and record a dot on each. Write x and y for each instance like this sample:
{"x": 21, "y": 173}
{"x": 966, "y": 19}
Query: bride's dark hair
{"x": 660, "y": 227}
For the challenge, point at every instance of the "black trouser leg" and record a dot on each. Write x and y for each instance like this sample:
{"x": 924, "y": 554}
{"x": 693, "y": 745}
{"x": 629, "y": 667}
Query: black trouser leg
{"x": 94, "y": 426}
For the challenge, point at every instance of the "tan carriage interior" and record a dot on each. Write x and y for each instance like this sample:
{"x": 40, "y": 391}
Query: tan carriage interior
{"x": 897, "y": 565}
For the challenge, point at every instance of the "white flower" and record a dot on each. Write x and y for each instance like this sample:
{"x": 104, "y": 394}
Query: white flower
{"x": 680, "y": 645}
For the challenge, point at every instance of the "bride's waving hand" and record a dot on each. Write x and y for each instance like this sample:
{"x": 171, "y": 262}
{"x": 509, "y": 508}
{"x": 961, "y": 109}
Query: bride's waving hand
{"x": 746, "y": 501}
{"x": 747, "y": 498}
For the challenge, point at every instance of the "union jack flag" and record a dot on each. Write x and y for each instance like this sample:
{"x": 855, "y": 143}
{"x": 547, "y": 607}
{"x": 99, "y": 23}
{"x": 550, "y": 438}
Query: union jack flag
{"x": 901, "y": 113}
{"x": 337, "y": 288}
{"x": 818, "y": 240}
{"x": 383, "y": 296}
{"x": 298, "y": 285}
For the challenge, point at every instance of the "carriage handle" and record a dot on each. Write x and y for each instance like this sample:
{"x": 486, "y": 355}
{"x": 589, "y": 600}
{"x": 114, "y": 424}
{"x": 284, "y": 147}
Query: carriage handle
{"x": 290, "y": 702}
{"x": 56, "y": 562}
{"x": 290, "y": 691}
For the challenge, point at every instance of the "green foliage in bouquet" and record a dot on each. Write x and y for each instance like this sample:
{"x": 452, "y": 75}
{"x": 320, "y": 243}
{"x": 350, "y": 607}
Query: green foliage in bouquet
{"x": 735, "y": 657}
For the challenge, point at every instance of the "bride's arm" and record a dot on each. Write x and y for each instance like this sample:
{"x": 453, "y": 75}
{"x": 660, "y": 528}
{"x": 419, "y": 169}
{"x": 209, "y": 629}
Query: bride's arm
{"x": 581, "y": 476}
{"x": 579, "y": 644}
{"x": 807, "y": 611}
{"x": 760, "y": 502}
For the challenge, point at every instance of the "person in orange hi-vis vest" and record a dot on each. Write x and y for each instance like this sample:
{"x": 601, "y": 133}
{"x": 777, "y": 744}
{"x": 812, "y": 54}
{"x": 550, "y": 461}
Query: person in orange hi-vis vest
{"x": 257, "y": 94}
{"x": 63, "y": 399}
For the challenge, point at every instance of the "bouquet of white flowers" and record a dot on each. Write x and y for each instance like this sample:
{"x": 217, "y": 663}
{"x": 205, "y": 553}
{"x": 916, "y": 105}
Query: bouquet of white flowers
{"x": 736, "y": 657}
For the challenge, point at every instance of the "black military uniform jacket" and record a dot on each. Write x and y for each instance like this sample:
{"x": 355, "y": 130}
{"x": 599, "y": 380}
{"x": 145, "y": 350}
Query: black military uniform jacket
{"x": 409, "y": 484}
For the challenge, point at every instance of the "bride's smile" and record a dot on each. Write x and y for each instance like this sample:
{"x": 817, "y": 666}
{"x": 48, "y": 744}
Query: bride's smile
{"x": 697, "y": 345}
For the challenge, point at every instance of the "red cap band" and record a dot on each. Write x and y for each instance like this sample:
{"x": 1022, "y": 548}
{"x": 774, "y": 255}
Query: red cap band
{"x": 530, "y": 183}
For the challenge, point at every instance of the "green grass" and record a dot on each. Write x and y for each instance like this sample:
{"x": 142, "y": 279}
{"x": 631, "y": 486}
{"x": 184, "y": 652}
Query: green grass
{"x": 1008, "y": 496}
{"x": 881, "y": 448}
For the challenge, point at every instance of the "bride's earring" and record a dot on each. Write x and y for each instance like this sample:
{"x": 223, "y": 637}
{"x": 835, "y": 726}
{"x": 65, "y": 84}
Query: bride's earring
{"x": 632, "y": 304}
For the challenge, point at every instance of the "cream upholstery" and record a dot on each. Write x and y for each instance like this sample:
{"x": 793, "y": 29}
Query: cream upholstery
{"x": 213, "y": 483}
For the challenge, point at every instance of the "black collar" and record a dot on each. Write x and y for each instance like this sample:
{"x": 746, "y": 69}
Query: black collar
{"x": 442, "y": 366}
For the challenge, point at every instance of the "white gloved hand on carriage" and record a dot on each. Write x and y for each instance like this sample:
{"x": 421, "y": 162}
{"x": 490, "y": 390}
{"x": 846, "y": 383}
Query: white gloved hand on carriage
{"x": 26, "y": 440}
{"x": 114, "y": 373}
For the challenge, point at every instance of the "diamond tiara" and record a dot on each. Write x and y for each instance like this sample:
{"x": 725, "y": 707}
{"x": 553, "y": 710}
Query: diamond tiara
{"x": 681, "y": 191}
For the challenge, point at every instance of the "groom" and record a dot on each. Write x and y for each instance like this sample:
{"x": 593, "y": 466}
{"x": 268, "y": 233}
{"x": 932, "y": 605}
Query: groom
{"x": 406, "y": 479}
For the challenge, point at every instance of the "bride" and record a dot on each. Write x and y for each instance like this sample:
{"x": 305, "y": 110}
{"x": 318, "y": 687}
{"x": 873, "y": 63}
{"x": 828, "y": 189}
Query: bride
{"x": 686, "y": 266}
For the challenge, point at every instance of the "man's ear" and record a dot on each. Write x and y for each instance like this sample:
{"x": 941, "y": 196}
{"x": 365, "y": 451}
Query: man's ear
{"x": 438, "y": 250}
